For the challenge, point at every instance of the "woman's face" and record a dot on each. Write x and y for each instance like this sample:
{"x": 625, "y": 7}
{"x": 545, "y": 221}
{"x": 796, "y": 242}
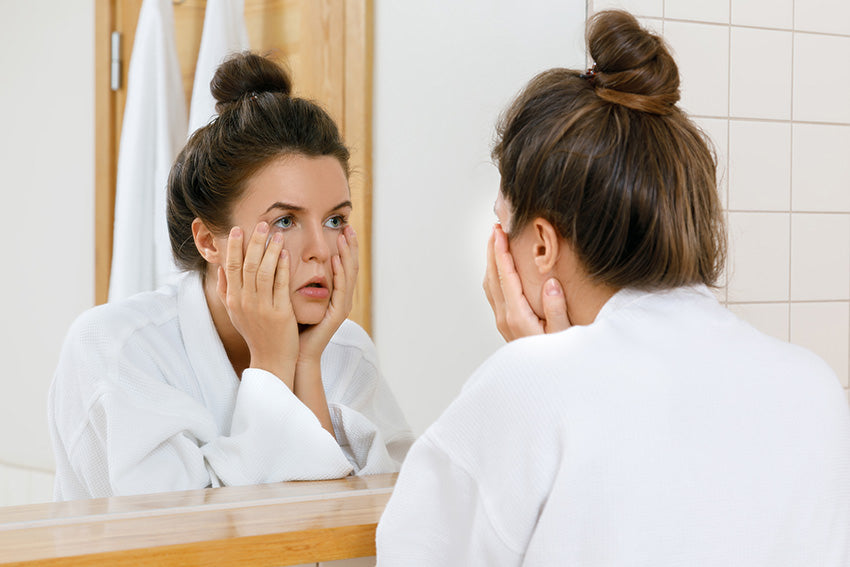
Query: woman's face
{"x": 308, "y": 200}
{"x": 521, "y": 247}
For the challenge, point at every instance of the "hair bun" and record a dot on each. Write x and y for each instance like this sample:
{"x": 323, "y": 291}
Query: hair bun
{"x": 245, "y": 73}
{"x": 634, "y": 68}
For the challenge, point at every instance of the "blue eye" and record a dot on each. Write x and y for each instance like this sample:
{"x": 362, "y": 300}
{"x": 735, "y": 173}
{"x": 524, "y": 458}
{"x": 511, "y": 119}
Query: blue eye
{"x": 284, "y": 222}
{"x": 336, "y": 222}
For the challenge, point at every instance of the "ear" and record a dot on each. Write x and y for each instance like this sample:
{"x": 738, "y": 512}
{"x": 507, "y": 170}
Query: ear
{"x": 206, "y": 244}
{"x": 547, "y": 246}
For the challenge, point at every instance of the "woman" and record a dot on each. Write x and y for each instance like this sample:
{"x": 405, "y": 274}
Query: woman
{"x": 658, "y": 429}
{"x": 247, "y": 371}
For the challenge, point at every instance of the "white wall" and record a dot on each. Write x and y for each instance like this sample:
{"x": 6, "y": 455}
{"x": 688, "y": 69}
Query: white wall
{"x": 46, "y": 172}
{"x": 444, "y": 70}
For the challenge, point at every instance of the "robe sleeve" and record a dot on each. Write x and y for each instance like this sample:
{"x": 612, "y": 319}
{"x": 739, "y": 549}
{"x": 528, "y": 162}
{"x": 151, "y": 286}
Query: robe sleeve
{"x": 120, "y": 428}
{"x": 437, "y": 516}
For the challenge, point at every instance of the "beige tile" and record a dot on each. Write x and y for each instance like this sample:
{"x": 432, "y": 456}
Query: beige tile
{"x": 759, "y": 166}
{"x": 649, "y": 8}
{"x": 824, "y": 328}
{"x": 714, "y": 11}
{"x": 760, "y": 86}
{"x": 820, "y": 178}
{"x": 820, "y": 256}
{"x": 821, "y": 78}
{"x": 717, "y": 129}
{"x": 769, "y": 318}
{"x": 758, "y": 257}
{"x": 702, "y": 54}
{"x": 763, "y": 13}
{"x": 829, "y": 16}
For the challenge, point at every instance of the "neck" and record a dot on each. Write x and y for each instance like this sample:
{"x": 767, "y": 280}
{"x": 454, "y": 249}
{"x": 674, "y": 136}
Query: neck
{"x": 585, "y": 300}
{"x": 234, "y": 345}
{"x": 585, "y": 297}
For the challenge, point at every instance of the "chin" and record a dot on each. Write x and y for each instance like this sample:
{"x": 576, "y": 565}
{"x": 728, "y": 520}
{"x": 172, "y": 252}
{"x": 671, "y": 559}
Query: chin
{"x": 310, "y": 314}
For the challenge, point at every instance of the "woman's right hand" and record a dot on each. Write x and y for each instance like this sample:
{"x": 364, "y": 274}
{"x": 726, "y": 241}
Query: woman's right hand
{"x": 503, "y": 288}
{"x": 255, "y": 292}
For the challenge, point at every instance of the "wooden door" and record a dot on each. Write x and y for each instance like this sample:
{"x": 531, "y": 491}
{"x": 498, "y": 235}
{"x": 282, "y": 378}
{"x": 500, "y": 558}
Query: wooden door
{"x": 327, "y": 46}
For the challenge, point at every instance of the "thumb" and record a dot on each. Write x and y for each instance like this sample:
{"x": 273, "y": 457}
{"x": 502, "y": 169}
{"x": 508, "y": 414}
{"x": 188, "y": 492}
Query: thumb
{"x": 555, "y": 307}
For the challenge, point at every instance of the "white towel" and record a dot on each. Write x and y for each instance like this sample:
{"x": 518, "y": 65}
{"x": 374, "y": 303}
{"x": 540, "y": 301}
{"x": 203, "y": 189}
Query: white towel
{"x": 152, "y": 134}
{"x": 224, "y": 33}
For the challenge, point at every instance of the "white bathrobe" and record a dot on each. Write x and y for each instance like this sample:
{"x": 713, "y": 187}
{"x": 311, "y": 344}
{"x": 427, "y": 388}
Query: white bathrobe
{"x": 145, "y": 400}
{"x": 153, "y": 131}
{"x": 224, "y": 33}
{"x": 667, "y": 433}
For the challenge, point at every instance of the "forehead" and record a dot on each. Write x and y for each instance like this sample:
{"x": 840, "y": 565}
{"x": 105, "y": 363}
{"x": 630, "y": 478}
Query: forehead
{"x": 313, "y": 183}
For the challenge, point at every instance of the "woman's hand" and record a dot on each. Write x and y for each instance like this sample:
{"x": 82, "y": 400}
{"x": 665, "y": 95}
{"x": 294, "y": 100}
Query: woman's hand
{"x": 502, "y": 285}
{"x": 255, "y": 292}
{"x": 308, "y": 370}
{"x": 345, "y": 265}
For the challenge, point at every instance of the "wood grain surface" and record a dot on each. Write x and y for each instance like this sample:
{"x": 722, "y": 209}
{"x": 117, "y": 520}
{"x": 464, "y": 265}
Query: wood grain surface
{"x": 273, "y": 524}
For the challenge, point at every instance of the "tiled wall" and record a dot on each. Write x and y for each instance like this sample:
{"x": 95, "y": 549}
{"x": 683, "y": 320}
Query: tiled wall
{"x": 769, "y": 81}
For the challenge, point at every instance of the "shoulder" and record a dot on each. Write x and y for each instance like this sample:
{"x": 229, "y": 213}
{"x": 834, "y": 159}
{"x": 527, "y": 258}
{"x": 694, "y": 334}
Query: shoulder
{"x": 115, "y": 321}
{"x": 105, "y": 331}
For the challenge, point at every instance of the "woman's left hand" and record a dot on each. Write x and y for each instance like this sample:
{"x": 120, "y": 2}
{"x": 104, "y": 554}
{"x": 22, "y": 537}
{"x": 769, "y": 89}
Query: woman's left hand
{"x": 502, "y": 285}
{"x": 345, "y": 266}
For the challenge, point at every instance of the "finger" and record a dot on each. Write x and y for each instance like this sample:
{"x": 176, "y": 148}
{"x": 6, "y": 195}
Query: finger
{"x": 509, "y": 283}
{"x": 555, "y": 306}
{"x": 340, "y": 300}
{"x": 519, "y": 316}
{"x": 253, "y": 256}
{"x": 492, "y": 289}
{"x": 281, "y": 282}
{"x": 348, "y": 265}
{"x": 268, "y": 266}
{"x": 354, "y": 247}
{"x": 233, "y": 272}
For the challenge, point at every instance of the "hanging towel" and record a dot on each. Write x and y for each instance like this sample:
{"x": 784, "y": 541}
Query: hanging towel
{"x": 224, "y": 33}
{"x": 152, "y": 134}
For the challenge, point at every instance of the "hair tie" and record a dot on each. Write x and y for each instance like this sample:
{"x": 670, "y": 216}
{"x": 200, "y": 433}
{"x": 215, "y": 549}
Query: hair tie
{"x": 590, "y": 74}
{"x": 253, "y": 96}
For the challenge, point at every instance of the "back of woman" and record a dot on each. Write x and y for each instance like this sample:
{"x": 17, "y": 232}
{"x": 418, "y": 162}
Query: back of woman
{"x": 631, "y": 419}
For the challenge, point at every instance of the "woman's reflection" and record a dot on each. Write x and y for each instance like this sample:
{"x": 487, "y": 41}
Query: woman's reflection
{"x": 247, "y": 371}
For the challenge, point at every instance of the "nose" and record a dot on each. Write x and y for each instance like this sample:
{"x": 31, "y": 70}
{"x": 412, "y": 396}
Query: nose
{"x": 316, "y": 247}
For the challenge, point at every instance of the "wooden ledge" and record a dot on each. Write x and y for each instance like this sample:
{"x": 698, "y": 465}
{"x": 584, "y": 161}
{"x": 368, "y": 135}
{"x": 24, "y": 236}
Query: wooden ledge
{"x": 272, "y": 524}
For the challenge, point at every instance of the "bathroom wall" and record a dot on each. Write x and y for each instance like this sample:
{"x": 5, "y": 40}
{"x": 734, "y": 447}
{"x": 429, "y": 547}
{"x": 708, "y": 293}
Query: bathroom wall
{"x": 46, "y": 174}
{"x": 769, "y": 81}
{"x": 444, "y": 70}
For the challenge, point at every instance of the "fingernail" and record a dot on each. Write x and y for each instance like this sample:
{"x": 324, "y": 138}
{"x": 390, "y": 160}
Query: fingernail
{"x": 263, "y": 227}
{"x": 553, "y": 287}
{"x": 351, "y": 233}
{"x": 284, "y": 255}
{"x": 235, "y": 232}
{"x": 277, "y": 237}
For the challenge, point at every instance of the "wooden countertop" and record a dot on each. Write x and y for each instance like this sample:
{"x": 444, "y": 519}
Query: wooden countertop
{"x": 272, "y": 524}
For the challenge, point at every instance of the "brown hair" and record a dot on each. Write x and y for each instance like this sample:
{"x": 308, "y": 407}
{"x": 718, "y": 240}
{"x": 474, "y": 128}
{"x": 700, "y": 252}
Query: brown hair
{"x": 258, "y": 122}
{"x": 618, "y": 169}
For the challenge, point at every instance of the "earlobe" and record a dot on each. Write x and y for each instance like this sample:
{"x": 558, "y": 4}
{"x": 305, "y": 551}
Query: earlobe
{"x": 205, "y": 242}
{"x": 546, "y": 246}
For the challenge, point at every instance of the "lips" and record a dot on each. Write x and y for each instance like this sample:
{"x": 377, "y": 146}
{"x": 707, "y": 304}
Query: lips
{"x": 315, "y": 288}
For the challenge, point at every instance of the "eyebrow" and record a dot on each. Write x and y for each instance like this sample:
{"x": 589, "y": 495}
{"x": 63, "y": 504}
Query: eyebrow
{"x": 296, "y": 208}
